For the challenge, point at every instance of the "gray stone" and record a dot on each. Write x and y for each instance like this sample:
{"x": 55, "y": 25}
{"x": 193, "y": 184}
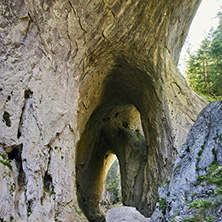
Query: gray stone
{"x": 197, "y": 163}
{"x": 79, "y": 81}
{"x": 123, "y": 214}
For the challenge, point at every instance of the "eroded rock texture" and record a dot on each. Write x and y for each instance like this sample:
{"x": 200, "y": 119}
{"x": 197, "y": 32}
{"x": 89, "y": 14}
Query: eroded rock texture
{"x": 80, "y": 81}
{"x": 194, "y": 192}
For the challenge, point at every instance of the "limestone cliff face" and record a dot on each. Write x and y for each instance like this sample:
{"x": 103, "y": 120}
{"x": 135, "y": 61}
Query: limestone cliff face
{"x": 194, "y": 192}
{"x": 81, "y": 80}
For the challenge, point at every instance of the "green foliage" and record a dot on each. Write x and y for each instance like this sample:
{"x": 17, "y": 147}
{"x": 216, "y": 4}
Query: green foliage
{"x": 204, "y": 67}
{"x": 213, "y": 167}
{"x": 200, "y": 152}
{"x": 29, "y": 211}
{"x": 163, "y": 206}
{"x": 218, "y": 191}
{"x": 190, "y": 219}
{"x": 201, "y": 204}
{"x": 201, "y": 178}
{"x": 198, "y": 158}
{"x": 205, "y": 209}
{"x": 12, "y": 188}
{"x": 216, "y": 177}
{"x": 52, "y": 191}
{"x": 210, "y": 219}
{"x": 177, "y": 167}
{"x": 79, "y": 212}
{"x": 112, "y": 183}
{"x": 6, "y": 163}
{"x": 3, "y": 156}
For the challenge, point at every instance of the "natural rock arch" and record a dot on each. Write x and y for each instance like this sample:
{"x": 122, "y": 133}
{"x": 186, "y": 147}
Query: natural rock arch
{"x": 67, "y": 65}
{"x": 130, "y": 123}
{"x": 115, "y": 127}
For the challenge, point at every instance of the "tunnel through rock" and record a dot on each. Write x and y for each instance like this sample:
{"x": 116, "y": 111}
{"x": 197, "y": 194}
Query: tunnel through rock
{"x": 118, "y": 132}
{"x": 112, "y": 194}
{"x": 125, "y": 124}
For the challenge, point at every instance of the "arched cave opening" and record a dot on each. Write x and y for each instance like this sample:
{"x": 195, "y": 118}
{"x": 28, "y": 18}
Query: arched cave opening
{"x": 125, "y": 123}
{"x": 112, "y": 192}
{"x": 118, "y": 132}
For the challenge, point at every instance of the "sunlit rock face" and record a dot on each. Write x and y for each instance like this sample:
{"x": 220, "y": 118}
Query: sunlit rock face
{"x": 80, "y": 81}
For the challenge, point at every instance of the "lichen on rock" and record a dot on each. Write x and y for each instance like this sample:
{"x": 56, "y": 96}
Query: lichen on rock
{"x": 195, "y": 189}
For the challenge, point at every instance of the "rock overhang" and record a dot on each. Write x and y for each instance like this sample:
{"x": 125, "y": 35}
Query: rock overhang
{"x": 83, "y": 62}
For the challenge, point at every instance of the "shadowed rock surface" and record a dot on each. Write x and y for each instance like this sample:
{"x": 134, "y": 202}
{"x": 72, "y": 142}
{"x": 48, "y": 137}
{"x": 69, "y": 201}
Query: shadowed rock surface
{"x": 195, "y": 189}
{"x": 80, "y": 81}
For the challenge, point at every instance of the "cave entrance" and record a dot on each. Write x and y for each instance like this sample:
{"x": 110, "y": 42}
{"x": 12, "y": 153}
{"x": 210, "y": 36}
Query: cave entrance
{"x": 127, "y": 122}
{"x": 117, "y": 133}
{"x": 112, "y": 192}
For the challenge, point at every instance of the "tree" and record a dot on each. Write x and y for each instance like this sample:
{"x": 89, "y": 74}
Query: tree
{"x": 204, "y": 67}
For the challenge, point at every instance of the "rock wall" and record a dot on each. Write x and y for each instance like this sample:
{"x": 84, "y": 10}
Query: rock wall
{"x": 194, "y": 192}
{"x": 81, "y": 80}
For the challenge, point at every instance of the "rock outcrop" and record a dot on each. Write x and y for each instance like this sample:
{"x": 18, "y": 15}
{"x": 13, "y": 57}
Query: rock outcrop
{"x": 123, "y": 214}
{"x": 194, "y": 192}
{"x": 81, "y": 80}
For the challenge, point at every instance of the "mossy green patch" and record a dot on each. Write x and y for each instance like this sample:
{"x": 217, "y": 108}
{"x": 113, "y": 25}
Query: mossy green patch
{"x": 6, "y": 163}
{"x": 163, "y": 206}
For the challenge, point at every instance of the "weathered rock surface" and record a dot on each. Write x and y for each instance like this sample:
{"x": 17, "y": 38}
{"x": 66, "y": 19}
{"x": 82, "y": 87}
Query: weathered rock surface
{"x": 81, "y": 80}
{"x": 123, "y": 214}
{"x": 195, "y": 189}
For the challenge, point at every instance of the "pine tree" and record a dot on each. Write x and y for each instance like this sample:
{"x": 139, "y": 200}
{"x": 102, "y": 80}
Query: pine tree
{"x": 204, "y": 67}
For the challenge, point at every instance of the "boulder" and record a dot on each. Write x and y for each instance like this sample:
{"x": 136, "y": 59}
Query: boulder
{"x": 123, "y": 214}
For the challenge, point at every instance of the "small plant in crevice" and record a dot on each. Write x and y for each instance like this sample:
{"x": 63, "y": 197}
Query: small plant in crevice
{"x": 3, "y": 156}
{"x": 52, "y": 192}
{"x": 12, "y": 188}
{"x": 201, "y": 204}
{"x": 218, "y": 191}
{"x": 190, "y": 219}
{"x": 41, "y": 200}
{"x": 214, "y": 165}
{"x": 6, "y": 163}
{"x": 214, "y": 153}
{"x": 200, "y": 152}
{"x": 210, "y": 219}
{"x": 201, "y": 178}
{"x": 163, "y": 206}
{"x": 29, "y": 211}
{"x": 216, "y": 177}
{"x": 11, "y": 218}
{"x": 79, "y": 212}
{"x": 177, "y": 167}
{"x": 198, "y": 159}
